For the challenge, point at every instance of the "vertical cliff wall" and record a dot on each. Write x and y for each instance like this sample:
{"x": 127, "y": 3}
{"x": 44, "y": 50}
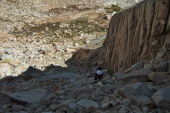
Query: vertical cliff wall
{"x": 138, "y": 33}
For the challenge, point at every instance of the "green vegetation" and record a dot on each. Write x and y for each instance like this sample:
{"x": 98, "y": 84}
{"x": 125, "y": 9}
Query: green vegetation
{"x": 113, "y": 8}
{"x": 69, "y": 29}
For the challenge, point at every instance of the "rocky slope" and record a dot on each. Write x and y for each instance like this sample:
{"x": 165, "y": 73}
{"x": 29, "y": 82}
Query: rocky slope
{"x": 143, "y": 88}
{"x": 138, "y": 33}
{"x": 48, "y": 85}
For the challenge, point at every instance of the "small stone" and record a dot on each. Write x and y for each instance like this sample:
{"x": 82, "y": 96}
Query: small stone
{"x": 126, "y": 102}
{"x": 145, "y": 109}
{"x": 135, "y": 108}
{"x": 54, "y": 107}
{"x": 162, "y": 98}
{"x": 72, "y": 106}
{"x": 17, "y": 108}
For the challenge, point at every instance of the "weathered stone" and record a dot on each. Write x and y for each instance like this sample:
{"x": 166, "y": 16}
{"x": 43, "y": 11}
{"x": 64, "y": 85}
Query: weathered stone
{"x": 72, "y": 106}
{"x": 32, "y": 96}
{"x": 134, "y": 90}
{"x": 141, "y": 75}
{"x": 135, "y": 108}
{"x": 32, "y": 72}
{"x": 5, "y": 56}
{"x": 86, "y": 81}
{"x": 106, "y": 105}
{"x": 161, "y": 67}
{"x": 142, "y": 101}
{"x": 126, "y": 102}
{"x": 6, "y": 70}
{"x": 162, "y": 98}
{"x": 17, "y": 108}
{"x": 145, "y": 109}
{"x": 87, "y": 103}
{"x": 71, "y": 76}
{"x": 136, "y": 66}
{"x": 54, "y": 107}
{"x": 160, "y": 77}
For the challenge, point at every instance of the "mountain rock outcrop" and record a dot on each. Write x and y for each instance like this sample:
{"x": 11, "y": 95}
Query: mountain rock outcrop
{"x": 140, "y": 33}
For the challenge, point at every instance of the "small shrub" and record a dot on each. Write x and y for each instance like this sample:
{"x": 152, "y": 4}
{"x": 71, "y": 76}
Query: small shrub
{"x": 113, "y": 8}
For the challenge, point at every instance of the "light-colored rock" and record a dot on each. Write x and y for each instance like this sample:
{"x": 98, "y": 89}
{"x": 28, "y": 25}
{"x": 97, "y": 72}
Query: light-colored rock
{"x": 6, "y": 70}
{"x": 72, "y": 106}
{"x": 6, "y": 56}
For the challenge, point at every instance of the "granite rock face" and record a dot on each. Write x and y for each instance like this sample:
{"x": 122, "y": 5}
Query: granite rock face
{"x": 140, "y": 33}
{"x": 137, "y": 33}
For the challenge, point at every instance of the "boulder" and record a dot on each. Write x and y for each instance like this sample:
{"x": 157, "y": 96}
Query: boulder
{"x": 88, "y": 103}
{"x": 33, "y": 96}
{"x": 32, "y": 72}
{"x": 162, "y": 98}
{"x": 136, "y": 66}
{"x": 142, "y": 101}
{"x": 6, "y": 70}
{"x": 5, "y": 56}
{"x": 135, "y": 89}
{"x": 161, "y": 67}
{"x": 162, "y": 78}
{"x": 141, "y": 75}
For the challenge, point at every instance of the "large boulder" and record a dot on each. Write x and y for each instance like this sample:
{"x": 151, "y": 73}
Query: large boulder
{"x": 136, "y": 66}
{"x": 141, "y": 75}
{"x": 162, "y": 78}
{"x": 33, "y": 96}
{"x": 135, "y": 89}
{"x": 32, "y": 72}
{"x": 162, "y": 98}
{"x": 142, "y": 101}
{"x": 161, "y": 67}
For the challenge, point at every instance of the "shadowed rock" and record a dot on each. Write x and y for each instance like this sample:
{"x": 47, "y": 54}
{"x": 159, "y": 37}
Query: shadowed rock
{"x": 162, "y": 98}
{"x": 24, "y": 97}
{"x": 32, "y": 72}
{"x": 87, "y": 103}
{"x": 161, "y": 78}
